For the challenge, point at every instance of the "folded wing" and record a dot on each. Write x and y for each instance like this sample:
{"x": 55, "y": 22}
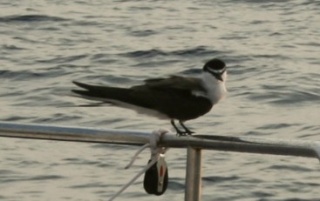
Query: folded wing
{"x": 169, "y": 96}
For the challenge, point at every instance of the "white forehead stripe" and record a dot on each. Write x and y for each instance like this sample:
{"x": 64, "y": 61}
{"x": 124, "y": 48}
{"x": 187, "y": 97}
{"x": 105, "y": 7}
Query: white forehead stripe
{"x": 217, "y": 71}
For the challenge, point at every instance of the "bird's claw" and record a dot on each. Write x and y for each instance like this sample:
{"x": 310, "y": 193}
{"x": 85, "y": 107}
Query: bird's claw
{"x": 184, "y": 133}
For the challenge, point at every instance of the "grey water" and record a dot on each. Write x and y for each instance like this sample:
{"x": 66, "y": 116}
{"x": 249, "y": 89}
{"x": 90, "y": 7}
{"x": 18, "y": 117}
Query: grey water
{"x": 272, "y": 52}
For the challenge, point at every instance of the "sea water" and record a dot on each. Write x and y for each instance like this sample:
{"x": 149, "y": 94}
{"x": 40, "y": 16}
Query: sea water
{"x": 271, "y": 49}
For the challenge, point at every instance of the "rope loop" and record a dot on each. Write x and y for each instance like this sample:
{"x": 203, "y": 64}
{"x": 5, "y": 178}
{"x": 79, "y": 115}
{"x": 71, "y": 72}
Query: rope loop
{"x": 156, "y": 152}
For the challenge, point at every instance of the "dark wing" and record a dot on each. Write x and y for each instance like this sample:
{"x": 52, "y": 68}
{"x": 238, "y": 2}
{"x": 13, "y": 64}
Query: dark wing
{"x": 171, "y": 96}
{"x": 174, "y": 96}
{"x": 101, "y": 93}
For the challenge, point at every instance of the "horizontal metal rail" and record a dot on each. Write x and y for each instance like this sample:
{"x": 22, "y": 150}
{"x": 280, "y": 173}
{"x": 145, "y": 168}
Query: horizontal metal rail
{"x": 247, "y": 144}
{"x": 194, "y": 145}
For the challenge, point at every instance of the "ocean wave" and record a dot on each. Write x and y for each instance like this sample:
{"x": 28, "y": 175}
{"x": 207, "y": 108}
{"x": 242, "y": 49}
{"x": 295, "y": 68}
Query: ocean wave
{"x": 196, "y": 51}
{"x": 31, "y": 18}
{"x": 285, "y": 98}
{"x": 63, "y": 59}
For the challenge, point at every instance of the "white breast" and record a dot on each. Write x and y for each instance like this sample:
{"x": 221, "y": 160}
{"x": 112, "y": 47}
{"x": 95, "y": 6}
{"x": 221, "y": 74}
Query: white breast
{"x": 216, "y": 89}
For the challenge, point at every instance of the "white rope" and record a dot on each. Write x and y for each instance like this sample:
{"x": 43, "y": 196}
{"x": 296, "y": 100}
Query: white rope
{"x": 155, "y": 154}
{"x": 136, "y": 155}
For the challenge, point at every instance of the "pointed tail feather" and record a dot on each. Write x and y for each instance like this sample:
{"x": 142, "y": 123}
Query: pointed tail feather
{"x": 101, "y": 93}
{"x": 86, "y": 86}
{"x": 122, "y": 97}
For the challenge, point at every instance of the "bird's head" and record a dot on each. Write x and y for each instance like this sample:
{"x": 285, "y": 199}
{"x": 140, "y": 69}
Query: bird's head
{"x": 217, "y": 68}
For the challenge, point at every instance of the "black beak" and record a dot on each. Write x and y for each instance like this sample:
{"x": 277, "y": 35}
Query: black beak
{"x": 218, "y": 76}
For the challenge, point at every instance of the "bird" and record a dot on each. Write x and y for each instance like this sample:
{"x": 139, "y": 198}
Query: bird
{"x": 175, "y": 98}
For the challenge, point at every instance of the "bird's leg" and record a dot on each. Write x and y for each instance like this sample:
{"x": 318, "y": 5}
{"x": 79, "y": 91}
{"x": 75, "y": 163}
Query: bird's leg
{"x": 187, "y": 131}
{"x": 179, "y": 132}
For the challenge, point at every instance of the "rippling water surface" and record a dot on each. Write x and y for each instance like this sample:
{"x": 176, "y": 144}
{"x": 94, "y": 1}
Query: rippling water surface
{"x": 272, "y": 52}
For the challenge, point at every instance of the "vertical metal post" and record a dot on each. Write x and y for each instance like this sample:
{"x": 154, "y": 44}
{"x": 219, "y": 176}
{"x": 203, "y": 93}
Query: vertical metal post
{"x": 193, "y": 175}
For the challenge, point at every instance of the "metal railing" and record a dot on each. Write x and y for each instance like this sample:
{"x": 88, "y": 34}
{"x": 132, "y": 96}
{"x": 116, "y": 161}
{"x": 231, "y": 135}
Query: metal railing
{"x": 194, "y": 144}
